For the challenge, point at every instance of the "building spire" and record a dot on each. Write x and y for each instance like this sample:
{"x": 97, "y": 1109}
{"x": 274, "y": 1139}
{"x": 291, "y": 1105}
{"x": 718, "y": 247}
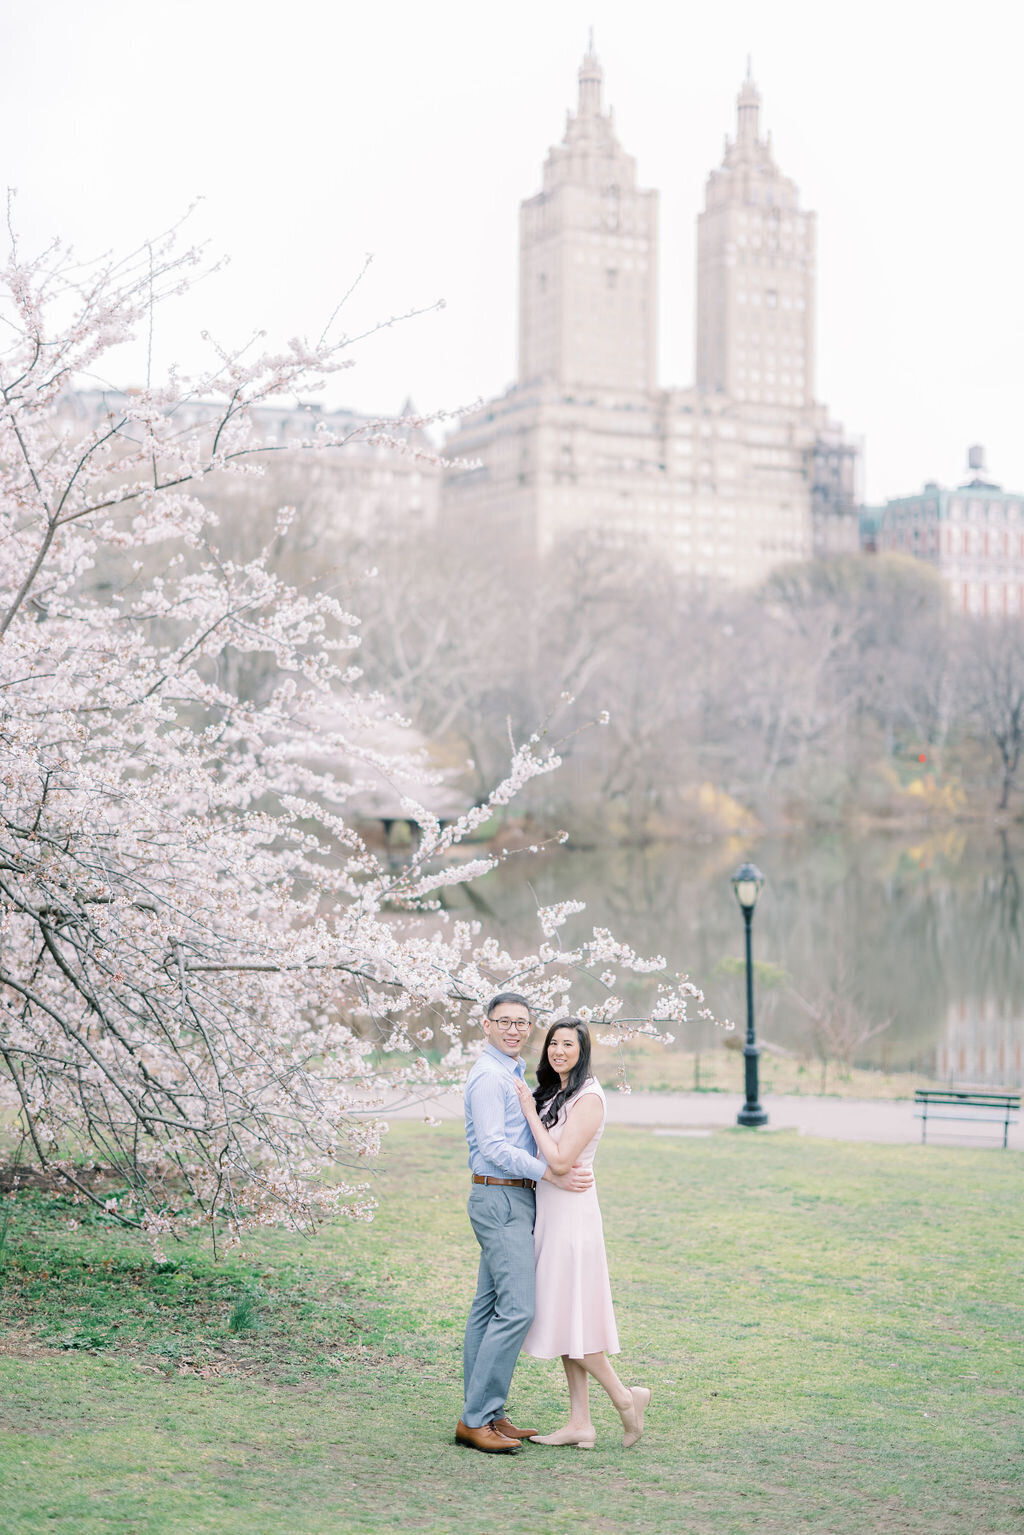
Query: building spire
{"x": 591, "y": 81}
{"x": 748, "y": 105}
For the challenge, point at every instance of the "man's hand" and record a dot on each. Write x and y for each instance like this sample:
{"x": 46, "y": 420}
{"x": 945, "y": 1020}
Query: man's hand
{"x": 576, "y": 1181}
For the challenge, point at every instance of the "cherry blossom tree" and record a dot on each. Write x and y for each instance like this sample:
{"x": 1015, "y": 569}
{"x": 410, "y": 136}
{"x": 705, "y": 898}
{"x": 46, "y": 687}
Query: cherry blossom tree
{"x": 205, "y": 972}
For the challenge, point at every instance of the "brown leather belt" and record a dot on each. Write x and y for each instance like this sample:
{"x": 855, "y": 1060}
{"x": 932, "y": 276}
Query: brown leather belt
{"x": 507, "y": 1183}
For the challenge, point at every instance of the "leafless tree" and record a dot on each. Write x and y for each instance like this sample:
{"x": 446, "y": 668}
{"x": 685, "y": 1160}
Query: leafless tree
{"x": 993, "y": 676}
{"x": 840, "y": 1024}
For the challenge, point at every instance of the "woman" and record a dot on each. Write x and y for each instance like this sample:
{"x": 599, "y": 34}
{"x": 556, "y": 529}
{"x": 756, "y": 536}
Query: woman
{"x": 574, "y": 1318}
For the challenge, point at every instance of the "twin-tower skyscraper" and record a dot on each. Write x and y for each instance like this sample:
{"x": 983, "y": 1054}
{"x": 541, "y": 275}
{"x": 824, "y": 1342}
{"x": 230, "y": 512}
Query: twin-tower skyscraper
{"x": 728, "y": 478}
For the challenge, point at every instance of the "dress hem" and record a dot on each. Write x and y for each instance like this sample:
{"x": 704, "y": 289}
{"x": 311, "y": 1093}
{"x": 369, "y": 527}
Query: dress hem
{"x": 567, "y": 1355}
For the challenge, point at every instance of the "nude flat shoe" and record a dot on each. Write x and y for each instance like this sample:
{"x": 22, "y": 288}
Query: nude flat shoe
{"x": 633, "y": 1420}
{"x": 576, "y": 1439}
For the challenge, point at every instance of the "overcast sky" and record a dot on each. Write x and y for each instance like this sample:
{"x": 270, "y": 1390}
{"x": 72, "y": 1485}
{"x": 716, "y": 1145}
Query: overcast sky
{"x": 317, "y": 131}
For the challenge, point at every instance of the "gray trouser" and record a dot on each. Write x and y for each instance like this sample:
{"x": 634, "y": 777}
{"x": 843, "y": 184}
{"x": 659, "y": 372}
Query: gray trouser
{"x": 502, "y": 1310}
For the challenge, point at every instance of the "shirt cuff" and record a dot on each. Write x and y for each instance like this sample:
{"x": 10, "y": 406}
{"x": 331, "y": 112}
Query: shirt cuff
{"x": 538, "y": 1168}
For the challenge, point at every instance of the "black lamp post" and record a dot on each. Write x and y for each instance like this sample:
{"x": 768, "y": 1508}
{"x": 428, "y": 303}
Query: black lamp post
{"x": 747, "y": 882}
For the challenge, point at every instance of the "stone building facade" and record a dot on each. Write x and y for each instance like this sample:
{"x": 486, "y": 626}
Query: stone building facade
{"x": 974, "y": 536}
{"x": 729, "y": 478}
{"x": 363, "y": 488}
{"x": 588, "y": 255}
{"x": 755, "y": 274}
{"x": 982, "y": 1043}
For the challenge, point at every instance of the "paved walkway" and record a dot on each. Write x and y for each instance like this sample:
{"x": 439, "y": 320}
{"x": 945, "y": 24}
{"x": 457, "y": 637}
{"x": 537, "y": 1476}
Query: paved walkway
{"x": 692, "y": 1114}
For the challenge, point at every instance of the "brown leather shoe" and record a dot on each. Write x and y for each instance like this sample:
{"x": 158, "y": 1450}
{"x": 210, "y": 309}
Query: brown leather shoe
{"x": 486, "y": 1439}
{"x": 510, "y": 1431}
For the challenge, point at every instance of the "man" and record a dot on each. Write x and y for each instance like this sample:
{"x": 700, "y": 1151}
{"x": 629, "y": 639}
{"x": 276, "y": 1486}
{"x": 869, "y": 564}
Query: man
{"x": 505, "y": 1166}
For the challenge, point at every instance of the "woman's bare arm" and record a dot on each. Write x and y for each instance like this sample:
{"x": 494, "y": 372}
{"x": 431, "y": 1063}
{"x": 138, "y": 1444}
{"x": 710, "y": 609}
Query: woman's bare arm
{"x": 582, "y": 1124}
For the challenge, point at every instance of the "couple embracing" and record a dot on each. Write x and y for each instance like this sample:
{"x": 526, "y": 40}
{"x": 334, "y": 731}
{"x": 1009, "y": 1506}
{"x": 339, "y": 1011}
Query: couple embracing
{"x": 543, "y": 1282}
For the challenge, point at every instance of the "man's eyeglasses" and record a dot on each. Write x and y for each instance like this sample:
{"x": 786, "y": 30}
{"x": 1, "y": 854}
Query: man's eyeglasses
{"x": 506, "y": 1025}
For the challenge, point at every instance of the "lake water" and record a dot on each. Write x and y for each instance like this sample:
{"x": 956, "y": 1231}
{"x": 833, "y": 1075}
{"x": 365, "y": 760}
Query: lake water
{"x": 920, "y": 940}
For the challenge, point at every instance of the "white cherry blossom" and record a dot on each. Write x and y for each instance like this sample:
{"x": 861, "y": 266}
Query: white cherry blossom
{"x": 207, "y": 977}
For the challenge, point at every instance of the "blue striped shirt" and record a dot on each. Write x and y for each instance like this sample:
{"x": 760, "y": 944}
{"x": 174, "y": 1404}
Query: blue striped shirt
{"x": 501, "y": 1144}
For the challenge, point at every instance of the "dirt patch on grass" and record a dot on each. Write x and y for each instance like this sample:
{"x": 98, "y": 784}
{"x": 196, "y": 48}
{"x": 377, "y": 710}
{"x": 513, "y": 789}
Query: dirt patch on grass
{"x": 14, "y": 1177}
{"x": 21, "y": 1176}
{"x": 72, "y": 1283}
{"x": 24, "y": 1346}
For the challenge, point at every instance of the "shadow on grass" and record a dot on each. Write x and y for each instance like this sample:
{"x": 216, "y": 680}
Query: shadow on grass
{"x": 73, "y": 1281}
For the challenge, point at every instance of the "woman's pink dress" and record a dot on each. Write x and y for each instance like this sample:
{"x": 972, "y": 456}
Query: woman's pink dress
{"x": 574, "y": 1313}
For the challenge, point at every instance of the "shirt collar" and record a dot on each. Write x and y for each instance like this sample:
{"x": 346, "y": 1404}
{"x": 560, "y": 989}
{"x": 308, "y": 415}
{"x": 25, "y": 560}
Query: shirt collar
{"x": 517, "y": 1066}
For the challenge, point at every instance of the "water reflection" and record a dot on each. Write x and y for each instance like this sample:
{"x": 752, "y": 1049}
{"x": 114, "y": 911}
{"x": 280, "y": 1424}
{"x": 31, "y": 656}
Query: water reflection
{"x": 926, "y": 934}
{"x": 981, "y": 1043}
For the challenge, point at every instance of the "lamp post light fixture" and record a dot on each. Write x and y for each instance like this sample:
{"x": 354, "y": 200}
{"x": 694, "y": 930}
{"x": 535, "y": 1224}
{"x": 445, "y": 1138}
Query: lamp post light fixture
{"x": 747, "y": 882}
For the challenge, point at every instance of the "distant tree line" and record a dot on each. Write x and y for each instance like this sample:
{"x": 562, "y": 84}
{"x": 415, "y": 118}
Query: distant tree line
{"x": 840, "y": 688}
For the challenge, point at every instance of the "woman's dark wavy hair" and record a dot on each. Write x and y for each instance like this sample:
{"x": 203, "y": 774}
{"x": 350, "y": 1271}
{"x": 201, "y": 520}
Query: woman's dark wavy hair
{"x": 549, "y": 1094}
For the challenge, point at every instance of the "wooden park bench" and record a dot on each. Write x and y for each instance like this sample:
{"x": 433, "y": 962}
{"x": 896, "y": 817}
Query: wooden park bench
{"x": 985, "y": 1108}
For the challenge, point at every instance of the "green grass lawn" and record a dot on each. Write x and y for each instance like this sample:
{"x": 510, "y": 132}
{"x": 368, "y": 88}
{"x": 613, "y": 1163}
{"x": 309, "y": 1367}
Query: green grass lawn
{"x": 834, "y": 1336}
{"x": 649, "y": 1067}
